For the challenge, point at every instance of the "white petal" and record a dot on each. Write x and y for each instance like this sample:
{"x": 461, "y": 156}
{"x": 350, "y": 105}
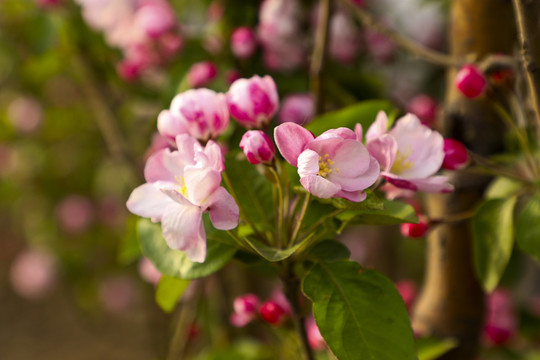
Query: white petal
{"x": 149, "y": 201}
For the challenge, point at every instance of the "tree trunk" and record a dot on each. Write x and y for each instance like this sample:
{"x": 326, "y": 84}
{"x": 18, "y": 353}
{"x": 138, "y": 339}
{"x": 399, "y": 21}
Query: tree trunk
{"x": 451, "y": 303}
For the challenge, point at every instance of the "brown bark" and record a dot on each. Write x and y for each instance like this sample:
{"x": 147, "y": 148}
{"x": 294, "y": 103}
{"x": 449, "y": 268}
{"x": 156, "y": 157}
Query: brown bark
{"x": 451, "y": 303}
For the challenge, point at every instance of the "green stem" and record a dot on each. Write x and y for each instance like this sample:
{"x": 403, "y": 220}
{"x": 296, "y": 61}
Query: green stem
{"x": 279, "y": 207}
{"x": 298, "y": 223}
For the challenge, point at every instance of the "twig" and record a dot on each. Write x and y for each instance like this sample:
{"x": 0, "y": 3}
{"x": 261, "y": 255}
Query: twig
{"x": 319, "y": 54}
{"x": 527, "y": 13}
{"x": 405, "y": 43}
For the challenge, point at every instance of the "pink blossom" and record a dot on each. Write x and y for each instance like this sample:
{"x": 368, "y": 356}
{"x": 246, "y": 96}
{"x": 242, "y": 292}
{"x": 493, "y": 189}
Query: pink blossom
{"x": 412, "y": 230}
{"x": 501, "y": 322}
{"x": 155, "y": 18}
{"x": 335, "y": 164}
{"x": 455, "y": 155}
{"x": 182, "y": 185}
{"x": 297, "y": 108}
{"x": 75, "y": 213}
{"x": 25, "y": 114}
{"x": 243, "y": 42}
{"x": 272, "y": 312}
{"x": 314, "y": 336}
{"x": 148, "y": 271}
{"x": 253, "y": 102}
{"x": 232, "y": 75}
{"x": 470, "y": 81}
{"x": 344, "y": 38}
{"x": 245, "y": 309}
{"x": 408, "y": 291}
{"x": 409, "y": 154}
{"x": 380, "y": 47}
{"x": 201, "y": 113}
{"x": 33, "y": 274}
{"x": 257, "y": 147}
{"x": 425, "y": 107}
{"x": 201, "y": 73}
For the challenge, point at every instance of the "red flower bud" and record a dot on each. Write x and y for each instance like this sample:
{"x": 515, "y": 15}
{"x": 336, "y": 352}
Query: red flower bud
{"x": 272, "y": 313}
{"x": 455, "y": 155}
{"x": 470, "y": 81}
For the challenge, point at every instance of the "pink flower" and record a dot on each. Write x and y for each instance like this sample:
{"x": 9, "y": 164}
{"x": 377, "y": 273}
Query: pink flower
{"x": 75, "y": 213}
{"x": 470, "y": 81}
{"x": 181, "y": 186}
{"x": 425, "y": 107}
{"x": 455, "y": 155}
{"x": 501, "y": 318}
{"x": 409, "y": 154}
{"x": 155, "y": 18}
{"x": 201, "y": 113}
{"x": 297, "y": 108}
{"x": 148, "y": 271}
{"x": 314, "y": 336}
{"x": 253, "y": 102}
{"x": 414, "y": 231}
{"x": 33, "y": 274}
{"x": 245, "y": 309}
{"x": 257, "y": 146}
{"x": 243, "y": 42}
{"x": 272, "y": 313}
{"x": 201, "y": 73}
{"x": 344, "y": 38}
{"x": 380, "y": 47}
{"x": 408, "y": 291}
{"x": 25, "y": 114}
{"x": 335, "y": 164}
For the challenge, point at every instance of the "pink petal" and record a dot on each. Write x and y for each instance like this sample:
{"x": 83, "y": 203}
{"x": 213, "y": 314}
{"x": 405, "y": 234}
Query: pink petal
{"x": 358, "y": 131}
{"x": 155, "y": 168}
{"x": 308, "y": 163}
{"x": 223, "y": 210}
{"x": 319, "y": 186}
{"x": 435, "y": 184}
{"x": 148, "y": 201}
{"x": 378, "y": 128}
{"x": 384, "y": 149}
{"x": 169, "y": 125}
{"x": 188, "y": 146}
{"x": 351, "y": 158}
{"x": 399, "y": 181}
{"x": 342, "y": 132}
{"x": 183, "y": 229}
{"x": 200, "y": 183}
{"x": 355, "y": 196}
{"x": 291, "y": 139}
{"x": 358, "y": 182}
{"x": 215, "y": 156}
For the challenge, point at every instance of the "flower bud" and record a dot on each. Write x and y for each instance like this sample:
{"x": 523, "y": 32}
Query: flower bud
{"x": 200, "y": 113}
{"x": 408, "y": 291}
{"x": 128, "y": 70}
{"x": 425, "y": 107}
{"x": 411, "y": 230}
{"x": 314, "y": 336}
{"x": 455, "y": 155}
{"x": 272, "y": 313}
{"x": 243, "y": 42}
{"x": 501, "y": 321}
{"x": 257, "y": 146}
{"x": 253, "y": 102}
{"x": 470, "y": 81}
{"x": 297, "y": 108}
{"x": 201, "y": 73}
{"x": 245, "y": 309}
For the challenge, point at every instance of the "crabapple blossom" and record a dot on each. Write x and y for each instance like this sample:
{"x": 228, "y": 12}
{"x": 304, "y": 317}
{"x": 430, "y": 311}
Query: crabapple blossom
{"x": 297, "y": 108}
{"x": 155, "y": 18}
{"x": 243, "y": 42}
{"x": 409, "y": 154}
{"x": 257, "y": 147}
{"x": 470, "y": 81}
{"x": 334, "y": 164}
{"x": 344, "y": 38}
{"x": 182, "y": 185}
{"x": 245, "y": 309}
{"x": 201, "y": 73}
{"x": 201, "y": 113}
{"x": 455, "y": 155}
{"x": 253, "y": 102}
{"x": 314, "y": 336}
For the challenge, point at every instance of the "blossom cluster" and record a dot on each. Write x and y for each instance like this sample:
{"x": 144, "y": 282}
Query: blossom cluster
{"x": 145, "y": 30}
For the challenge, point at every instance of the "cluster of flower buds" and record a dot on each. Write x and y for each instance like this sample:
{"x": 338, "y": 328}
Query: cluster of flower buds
{"x": 146, "y": 31}
{"x": 248, "y": 307}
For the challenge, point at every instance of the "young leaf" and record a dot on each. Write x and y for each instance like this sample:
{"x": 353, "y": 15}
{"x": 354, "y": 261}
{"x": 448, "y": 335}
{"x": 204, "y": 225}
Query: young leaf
{"x": 176, "y": 263}
{"x": 169, "y": 291}
{"x": 527, "y": 231}
{"x": 502, "y": 187}
{"x": 493, "y": 235}
{"x": 359, "y": 312}
{"x": 270, "y": 253}
{"x": 329, "y": 250}
{"x": 433, "y": 348}
{"x": 129, "y": 249}
{"x": 363, "y": 112}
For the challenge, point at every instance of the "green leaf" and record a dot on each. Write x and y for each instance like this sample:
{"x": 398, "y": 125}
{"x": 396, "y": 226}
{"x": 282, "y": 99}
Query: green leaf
{"x": 372, "y": 202}
{"x": 363, "y": 112}
{"x": 169, "y": 291}
{"x": 527, "y": 229}
{"x": 176, "y": 263}
{"x": 129, "y": 249}
{"x": 432, "y": 348}
{"x": 502, "y": 187}
{"x": 493, "y": 234}
{"x": 270, "y": 253}
{"x": 359, "y": 312}
{"x": 394, "y": 212}
{"x": 329, "y": 250}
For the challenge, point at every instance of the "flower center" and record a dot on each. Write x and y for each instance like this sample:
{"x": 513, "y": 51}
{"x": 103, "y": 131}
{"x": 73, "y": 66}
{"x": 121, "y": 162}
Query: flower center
{"x": 402, "y": 162}
{"x": 182, "y": 188}
{"x": 325, "y": 165}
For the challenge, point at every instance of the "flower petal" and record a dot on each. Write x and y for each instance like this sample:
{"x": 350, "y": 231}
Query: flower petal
{"x": 434, "y": 184}
{"x": 355, "y": 196}
{"x": 148, "y": 201}
{"x": 319, "y": 186}
{"x": 384, "y": 149}
{"x": 399, "y": 181}
{"x": 223, "y": 210}
{"x": 155, "y": 168}
{"x": 183, "y": 229}
{"x": 358, "y": 182}
{"x": 342, "y": 132}
{"x": 200, "y": 183}
{"x": 169, "y": 125}
{"x": 308, "y": 163}
{"x": 291, "y": 139}
{"x": 378, "y": 128}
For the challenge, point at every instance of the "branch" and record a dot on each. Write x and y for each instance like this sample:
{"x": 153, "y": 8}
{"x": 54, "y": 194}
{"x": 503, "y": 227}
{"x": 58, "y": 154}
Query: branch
{"x": 319, "y": 54}
{"x": 405, "y": 43}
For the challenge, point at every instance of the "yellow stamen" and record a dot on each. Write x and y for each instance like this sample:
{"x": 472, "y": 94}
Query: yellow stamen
{"x": 325, "y": 165}
{"x": 402, "y": 162}
{"x": 181, "y": 182}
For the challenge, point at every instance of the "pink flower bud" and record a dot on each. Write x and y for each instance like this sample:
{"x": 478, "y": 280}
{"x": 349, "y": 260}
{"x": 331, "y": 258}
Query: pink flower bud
{"x": 245, "y": 310}
{"x": 33, "y": 274}
{"x": 253, "y": 101}
{"x": 155, "y": 18}
{"x": 272, "y": 312}
{"x": 243, "y": 42}
{"x": 470, "y": 81}
{"x": 201, "y": 73}
{"x": 128, "y": 70}
{"x": 425, "y": 107}
{"x": 75, "y": 213}
{"x": 501, "y": 318}
{"x": 314, "y": 336}
{"x": 257, "y": 146}
{"x": 407, "y": 289}
{"x": 455, "y": 155}
{"x": 200, "y": 113}
{"x": 297, "y": 108}
{"x": 411, "y": 230}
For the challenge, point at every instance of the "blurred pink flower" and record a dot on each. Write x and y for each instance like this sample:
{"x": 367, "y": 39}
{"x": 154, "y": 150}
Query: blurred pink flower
{"x": 245, "y": 310}
{"x": 335, "y": 164}
{"x": 243, "y": 42}
{"x": 231, "y": 76}
{"x": 33, "y": 274}
{"x": 155, "y": 17}
{"x": 75, "y": 213}
{"x": 181, "y": 186}
{"x": 314, "y": 336}
{"x": 117, "y": 294}
{"x": 25, "y": 114}
{"x": 408, "y": 291}
{"x": 297, "y": 108}
{"x": 425, "y": 107}
{"x": 148, "y": 271}
{"x": 381, "y": 48}
{"x": 201, "y": 73}
{"x": 253, "y": 102}
{"x": 344, "y": 38}
{"x": 501, "y": 322}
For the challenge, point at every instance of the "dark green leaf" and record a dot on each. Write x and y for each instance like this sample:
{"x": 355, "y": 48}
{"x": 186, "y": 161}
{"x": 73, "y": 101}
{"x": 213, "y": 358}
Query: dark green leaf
{"x": 493, "y": 233}
{"x": 329, "y": 250}
{"x": 359, "y": 312}
{"x": 270, "y": 253}
{"x": 129, "y": 249}
{"x": 169, "y": 291}
{"x": 528, "y": 229}
{"x": 363, "y": 112}
{"x": 176, "y": 263}
{"x": 432, "y": 348}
